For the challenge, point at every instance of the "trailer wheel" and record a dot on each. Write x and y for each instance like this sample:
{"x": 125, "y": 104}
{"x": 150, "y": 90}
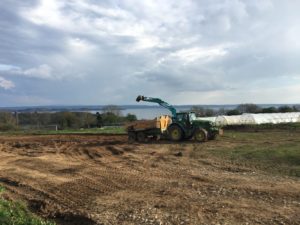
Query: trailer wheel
{"x": 141, "y": 137}
{"x": 131, "y": 137}
{"x": 175, "y": 133}
{"x": 200, "y": 135}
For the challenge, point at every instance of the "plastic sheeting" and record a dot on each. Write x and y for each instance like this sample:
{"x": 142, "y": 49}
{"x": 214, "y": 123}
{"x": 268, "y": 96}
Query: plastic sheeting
{"x": 263, "y": 118}
{"x": 229, "y": 120}
{"x": 212, "y": 119}
{"x": 260, "y": 118}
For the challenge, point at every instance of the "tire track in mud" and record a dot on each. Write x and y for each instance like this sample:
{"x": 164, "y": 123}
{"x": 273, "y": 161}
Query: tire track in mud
{"x": 71, "y": 194}
{"x": 103, "y": 180}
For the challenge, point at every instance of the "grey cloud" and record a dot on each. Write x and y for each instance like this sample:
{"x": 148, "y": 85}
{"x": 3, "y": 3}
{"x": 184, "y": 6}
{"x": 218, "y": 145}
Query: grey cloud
{"x": 108, "y": 51}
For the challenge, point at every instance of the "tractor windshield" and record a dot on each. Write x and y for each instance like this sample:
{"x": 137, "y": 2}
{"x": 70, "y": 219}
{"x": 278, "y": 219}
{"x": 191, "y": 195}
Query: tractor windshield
{"x": 192, "y": 116}
{"x": 181, "y": 117}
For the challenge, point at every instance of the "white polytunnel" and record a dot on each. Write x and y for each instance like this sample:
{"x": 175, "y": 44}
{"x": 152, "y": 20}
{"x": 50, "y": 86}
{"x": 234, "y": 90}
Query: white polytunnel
{"x": 263, "y": 118}
{"x": 228, "y": 120}
{"x": 259, "y": 118}
{"x": 247, "y": 119}
{"x": 212, "y": 119}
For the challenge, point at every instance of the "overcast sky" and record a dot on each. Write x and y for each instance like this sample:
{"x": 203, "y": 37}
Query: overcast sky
{"x": 55, "y": 52}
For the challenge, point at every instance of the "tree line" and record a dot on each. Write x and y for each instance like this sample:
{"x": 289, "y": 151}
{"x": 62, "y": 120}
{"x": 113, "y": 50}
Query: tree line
{"x": 110, "y": 115}
{"x": 243, "y": 108}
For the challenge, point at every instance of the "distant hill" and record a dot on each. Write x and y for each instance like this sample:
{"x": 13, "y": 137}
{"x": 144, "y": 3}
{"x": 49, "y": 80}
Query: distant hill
{"x": 83, "y": 108}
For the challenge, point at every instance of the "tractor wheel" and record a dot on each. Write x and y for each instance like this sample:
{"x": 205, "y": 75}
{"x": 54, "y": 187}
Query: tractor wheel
{"x": 141, "y": 137}
{"x": 131, "y": 137}
{"x": 213, "y": 137}
{"x": 175, "y": 133}
{"x": 200, "y": 135}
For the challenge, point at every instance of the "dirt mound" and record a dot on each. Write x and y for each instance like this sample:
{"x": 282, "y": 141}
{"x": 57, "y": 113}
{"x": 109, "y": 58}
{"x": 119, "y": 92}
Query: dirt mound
{"x": 93, "y": 179}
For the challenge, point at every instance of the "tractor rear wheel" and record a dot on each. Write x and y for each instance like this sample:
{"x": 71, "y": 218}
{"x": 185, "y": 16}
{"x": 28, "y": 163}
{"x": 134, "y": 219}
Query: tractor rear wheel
{"x": 175, "y": 133}
{"x": 200, "y": 135}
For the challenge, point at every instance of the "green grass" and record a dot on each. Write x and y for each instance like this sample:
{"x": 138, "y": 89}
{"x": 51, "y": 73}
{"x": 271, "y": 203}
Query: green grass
{"x": 104, "y": 130}
{"x": 253, "y": 127}
{"x": 276, "y": 152}
{"x": 16, "y": 213}
{"x": 283, "y": 159}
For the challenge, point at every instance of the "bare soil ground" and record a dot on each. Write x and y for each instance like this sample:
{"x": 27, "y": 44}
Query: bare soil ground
{"x": 102, "y": 179}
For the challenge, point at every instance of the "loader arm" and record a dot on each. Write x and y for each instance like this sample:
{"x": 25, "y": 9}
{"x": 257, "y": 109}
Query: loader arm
{"x": 158, "y": 101}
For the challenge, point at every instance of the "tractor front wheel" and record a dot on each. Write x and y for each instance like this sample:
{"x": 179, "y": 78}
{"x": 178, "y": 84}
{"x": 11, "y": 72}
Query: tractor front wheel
{"x": 175, "y": 133}
{"x": 200, "y": 135}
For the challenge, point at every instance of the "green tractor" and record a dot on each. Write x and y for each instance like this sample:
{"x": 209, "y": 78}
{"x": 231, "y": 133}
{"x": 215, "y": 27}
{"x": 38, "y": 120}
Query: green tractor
{"x": 184, "y": 125}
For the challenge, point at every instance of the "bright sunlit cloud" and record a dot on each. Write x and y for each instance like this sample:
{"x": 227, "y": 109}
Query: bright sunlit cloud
{"x": 6, "y": 84}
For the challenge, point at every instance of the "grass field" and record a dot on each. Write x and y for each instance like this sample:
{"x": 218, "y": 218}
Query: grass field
{"x": 269, "y": 150}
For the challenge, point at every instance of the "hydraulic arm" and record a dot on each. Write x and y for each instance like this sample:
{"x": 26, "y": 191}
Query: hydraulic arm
{"x": 158, "y": 101}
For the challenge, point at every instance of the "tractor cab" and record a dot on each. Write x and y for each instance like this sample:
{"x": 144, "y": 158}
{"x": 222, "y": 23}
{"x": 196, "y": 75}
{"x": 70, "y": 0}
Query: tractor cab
{"x": 185, "y": 117}
{"x": 184, "y": 120}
